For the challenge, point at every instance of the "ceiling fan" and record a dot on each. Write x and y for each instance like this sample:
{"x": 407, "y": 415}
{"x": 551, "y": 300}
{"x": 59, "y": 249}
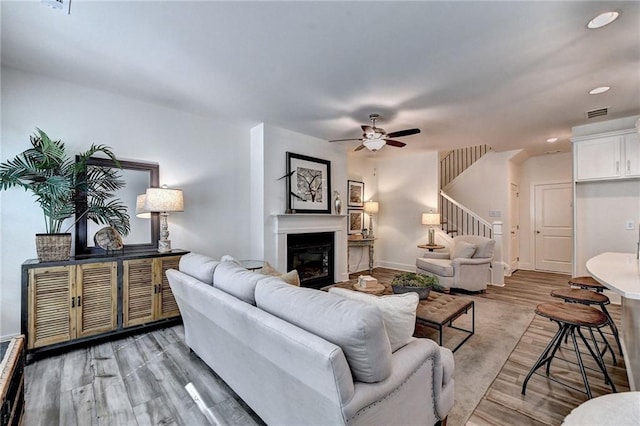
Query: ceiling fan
{"x": 373, "y": 138}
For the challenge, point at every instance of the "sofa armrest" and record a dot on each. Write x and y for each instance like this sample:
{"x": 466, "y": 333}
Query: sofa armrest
{"x": 422, "y": 379}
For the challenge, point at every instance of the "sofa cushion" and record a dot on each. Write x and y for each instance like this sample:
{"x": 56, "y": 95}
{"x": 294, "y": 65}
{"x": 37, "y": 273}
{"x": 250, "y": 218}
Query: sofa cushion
{"x": 290, "y": 277}
{"x": 442, "y": 267}
{"x": 398, "y": 313}
{"x": 485, "y": 250}
{"x": 237, "y": 281}
{"x": 198, "y": 266}
{"x": 463, "y": 249}
{"x": 357, "y": 328}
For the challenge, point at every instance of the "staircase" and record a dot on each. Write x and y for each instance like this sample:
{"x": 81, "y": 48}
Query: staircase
{"x": 456, "y": 218}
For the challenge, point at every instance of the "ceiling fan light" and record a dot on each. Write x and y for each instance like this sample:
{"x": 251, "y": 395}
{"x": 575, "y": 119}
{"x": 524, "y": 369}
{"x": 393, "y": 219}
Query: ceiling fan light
{"x": 603, "y": 19}
{"x": 374, "y": 144}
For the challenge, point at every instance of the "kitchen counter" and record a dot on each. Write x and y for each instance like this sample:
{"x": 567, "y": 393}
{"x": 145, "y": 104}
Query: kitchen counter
{"x": 620, "y": 272}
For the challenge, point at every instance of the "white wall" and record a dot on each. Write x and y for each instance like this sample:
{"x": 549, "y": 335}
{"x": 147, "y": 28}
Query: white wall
{"x": 407, "y": 187}
{"x": 207, "y": 158}
{"x": 543, "y": 169}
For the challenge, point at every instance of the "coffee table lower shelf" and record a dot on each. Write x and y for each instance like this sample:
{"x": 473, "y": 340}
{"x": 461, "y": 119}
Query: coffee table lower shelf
{"x": 442, "y": 310}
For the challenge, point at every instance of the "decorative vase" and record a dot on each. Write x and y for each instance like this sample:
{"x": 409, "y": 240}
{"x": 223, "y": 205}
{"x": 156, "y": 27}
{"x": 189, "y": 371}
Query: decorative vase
{"x": 53, "y": 247}
{"x": 337, "y": 202}
{"x": 423, "y": 292}
{"x": 108, "y": 238}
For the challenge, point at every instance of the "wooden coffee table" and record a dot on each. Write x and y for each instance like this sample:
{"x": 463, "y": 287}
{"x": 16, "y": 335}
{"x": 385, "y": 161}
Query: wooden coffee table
{"x": 438, "y": 311}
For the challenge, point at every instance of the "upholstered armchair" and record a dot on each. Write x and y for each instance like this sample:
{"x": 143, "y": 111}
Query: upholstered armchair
{"x": 465, "y": 265}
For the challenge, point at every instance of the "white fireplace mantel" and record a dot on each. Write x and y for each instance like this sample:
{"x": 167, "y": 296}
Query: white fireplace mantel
{"x": 302, "y": 223}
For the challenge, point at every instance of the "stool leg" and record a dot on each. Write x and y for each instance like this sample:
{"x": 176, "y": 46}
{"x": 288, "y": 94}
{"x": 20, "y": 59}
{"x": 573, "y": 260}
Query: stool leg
{"x": 607, "y": 346}
{"x": 564, "y": 334}
{"x": 614, "y": 329}
{"x": 542, "y": 359}
{"x": 582, "y": 371}
{"x": 600, "y": 361}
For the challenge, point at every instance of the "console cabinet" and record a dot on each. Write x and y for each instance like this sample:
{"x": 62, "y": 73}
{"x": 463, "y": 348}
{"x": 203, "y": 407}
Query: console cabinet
{"x": 614, "y": 155}
{"x": 80, "y": 300}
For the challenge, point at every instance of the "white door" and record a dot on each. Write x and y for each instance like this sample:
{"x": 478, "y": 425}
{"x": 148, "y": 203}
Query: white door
{"x": 514, "y": 227}
{"x": 554, "y": 227}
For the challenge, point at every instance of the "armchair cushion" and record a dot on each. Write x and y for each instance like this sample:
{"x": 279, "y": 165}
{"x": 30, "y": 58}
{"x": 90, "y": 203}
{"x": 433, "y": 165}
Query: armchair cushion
{"x": 463, "y": 249}
{"x": 441, "y": 267}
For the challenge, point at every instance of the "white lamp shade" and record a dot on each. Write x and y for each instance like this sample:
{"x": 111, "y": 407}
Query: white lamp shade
{"x": 371, "y": 207}
{"x": 164, "y": 200}
{"x": 430, "y": 218}
{"x": 140, "y": 211}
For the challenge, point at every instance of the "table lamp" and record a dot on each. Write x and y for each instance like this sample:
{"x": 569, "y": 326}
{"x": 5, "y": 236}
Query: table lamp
{"x": 164, "y": 200}
{"x": 140, "y": 211}
{"x": 431, "y": 219}
{"x": 371, "y": 208}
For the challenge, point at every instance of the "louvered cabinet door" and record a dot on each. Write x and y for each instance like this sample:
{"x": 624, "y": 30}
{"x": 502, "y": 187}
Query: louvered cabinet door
{"x": 96, "y": 298}
{"x": 50, "y": 311}
{"x": 166, "y": 306}
{"x": 138, "y": 292}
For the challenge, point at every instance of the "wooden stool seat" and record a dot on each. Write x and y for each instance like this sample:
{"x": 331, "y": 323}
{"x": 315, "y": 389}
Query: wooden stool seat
{"x": 571, "y": 318}
{"x": 578, "y": 295}
{"x": 588, "y": 283}
{"x": 582, "y": 316}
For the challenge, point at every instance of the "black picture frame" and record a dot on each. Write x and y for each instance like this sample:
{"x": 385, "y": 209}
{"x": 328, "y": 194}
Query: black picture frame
{"x": 308, "y": 184}
{"x": 355, "y": 194}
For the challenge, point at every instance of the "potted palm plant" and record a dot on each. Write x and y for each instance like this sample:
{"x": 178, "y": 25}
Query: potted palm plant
{"x": 57, "y": 182}
{"x": 419, "y": 283}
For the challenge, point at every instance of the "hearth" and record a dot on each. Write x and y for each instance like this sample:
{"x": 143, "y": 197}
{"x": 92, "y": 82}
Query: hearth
{"x": 312, "y": 255}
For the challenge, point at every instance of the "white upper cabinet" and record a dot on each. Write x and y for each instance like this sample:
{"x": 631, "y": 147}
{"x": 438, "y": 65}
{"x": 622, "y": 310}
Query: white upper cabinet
{"x": 632, "y": 155}
{"x": 614, "y": 155}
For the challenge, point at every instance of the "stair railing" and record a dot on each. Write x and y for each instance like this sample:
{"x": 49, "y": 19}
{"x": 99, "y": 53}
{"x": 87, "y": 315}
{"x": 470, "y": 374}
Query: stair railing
{"x": 458, "y": 160}
{"x": 460, "y": 220}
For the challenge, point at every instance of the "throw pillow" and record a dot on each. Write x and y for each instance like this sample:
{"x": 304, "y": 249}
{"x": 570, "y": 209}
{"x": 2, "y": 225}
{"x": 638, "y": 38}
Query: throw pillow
{"x": 463, "y": 249}
{"x": 227, "y": 258}
{"x": 290, "y": 277}
{"x": 398, "y": 313}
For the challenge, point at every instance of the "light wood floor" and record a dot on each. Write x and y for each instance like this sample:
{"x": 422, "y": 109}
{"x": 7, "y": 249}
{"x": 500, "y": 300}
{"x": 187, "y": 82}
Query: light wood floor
{"x": 141, "y": 379}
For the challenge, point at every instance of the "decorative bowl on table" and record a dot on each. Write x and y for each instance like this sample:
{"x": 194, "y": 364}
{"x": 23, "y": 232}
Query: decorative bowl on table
{"x": 418, "y": 283}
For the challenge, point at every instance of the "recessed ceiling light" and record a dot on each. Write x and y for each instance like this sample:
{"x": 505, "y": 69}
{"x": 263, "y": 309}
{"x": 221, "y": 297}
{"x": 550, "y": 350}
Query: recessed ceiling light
{"x": 603, "y": 19}
{"x": 552, "y": 140}
{"x": 599, "y": 90}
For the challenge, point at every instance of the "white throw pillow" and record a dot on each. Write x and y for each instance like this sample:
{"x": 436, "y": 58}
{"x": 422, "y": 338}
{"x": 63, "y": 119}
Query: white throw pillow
{"x": 463, "y": 249}
{"x": 398, "y": 313}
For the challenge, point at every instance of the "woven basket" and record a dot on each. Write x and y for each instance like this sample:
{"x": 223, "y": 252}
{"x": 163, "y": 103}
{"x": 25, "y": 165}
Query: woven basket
{"x": 53, "y": 247}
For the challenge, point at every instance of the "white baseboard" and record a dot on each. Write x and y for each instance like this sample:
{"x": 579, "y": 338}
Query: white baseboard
{"x": 398, "y": 266}
{"x": 496, "y": 285}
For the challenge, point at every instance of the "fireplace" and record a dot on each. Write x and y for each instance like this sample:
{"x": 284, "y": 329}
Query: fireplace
{"x": 312, "y": 255}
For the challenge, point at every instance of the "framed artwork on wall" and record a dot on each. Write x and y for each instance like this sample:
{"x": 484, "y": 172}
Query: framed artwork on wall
{"x": 356, "y": 221}
{"x": 308, "y": 184}
{"x": 355, "y": 191}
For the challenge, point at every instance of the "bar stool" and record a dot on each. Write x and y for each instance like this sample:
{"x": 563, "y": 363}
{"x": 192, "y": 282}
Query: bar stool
{"x": 571, "y": 318}
{"x": 588, "y": 297}
{"x": 587, "y": 283}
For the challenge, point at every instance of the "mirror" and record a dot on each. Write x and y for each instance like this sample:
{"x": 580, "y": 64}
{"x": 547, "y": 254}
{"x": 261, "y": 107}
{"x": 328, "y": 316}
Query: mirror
{"x": 144, "y": 232}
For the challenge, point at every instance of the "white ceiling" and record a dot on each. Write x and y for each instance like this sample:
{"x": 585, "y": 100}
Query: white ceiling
{"x": 508, "y": 74}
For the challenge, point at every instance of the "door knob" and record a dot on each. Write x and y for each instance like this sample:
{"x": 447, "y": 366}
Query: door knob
{"x": 537, "y": 232}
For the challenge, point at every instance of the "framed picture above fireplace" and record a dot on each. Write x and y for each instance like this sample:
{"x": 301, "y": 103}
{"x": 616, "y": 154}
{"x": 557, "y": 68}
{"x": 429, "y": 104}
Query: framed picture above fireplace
{"x": 356, "y": 221}
{"x": 308, "y": 184}
{"x": 355, "y": 192}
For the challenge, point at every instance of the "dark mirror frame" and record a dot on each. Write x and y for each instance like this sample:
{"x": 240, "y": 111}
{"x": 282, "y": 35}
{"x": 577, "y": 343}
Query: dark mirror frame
{"x": 81, "y": 205}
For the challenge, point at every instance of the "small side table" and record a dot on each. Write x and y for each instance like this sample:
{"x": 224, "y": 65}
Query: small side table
{"x": 430, "y": 247}
{"x": 363, "y": 242}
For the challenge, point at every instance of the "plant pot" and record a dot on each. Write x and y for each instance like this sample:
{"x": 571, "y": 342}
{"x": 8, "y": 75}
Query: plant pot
{"x": 53, "y": 247}
{"x": 423, "y": 292}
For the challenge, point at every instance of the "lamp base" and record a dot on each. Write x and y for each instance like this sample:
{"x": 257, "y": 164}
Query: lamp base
{"x": 164, "y": 246}
{"x": 431, "y": 237}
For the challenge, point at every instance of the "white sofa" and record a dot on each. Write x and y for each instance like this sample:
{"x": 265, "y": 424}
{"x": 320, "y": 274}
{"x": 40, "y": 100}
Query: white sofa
{"x": 300, "y": 356}
{"x": 466, "y": 264}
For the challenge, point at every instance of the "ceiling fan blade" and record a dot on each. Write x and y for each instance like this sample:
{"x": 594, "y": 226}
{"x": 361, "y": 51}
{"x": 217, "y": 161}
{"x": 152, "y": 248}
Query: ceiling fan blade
{"x": 395, "y": 143}
{"x": 401, "y": 133}
{"x": 359, "y": 147}
{"x": 344, "y": 140}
